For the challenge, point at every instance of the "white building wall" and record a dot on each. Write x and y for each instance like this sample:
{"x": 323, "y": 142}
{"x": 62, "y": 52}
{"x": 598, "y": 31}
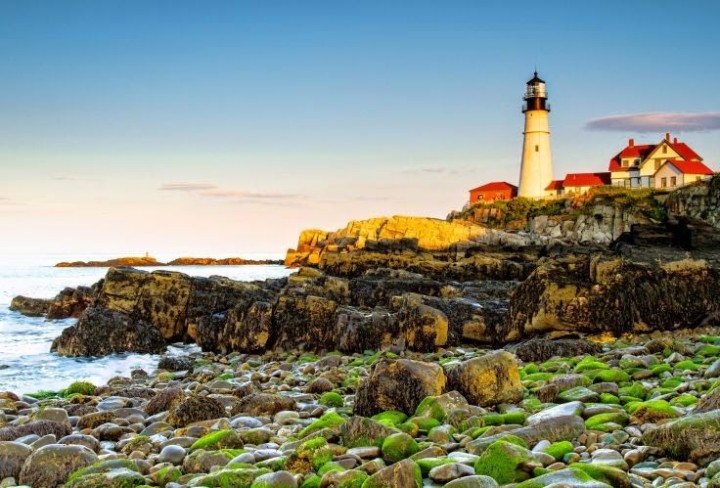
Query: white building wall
{"x": 536, "y": 168}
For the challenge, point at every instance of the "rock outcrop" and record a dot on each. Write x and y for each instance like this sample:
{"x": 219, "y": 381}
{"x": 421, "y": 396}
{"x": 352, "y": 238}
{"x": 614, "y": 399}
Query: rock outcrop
{"x": 100, "y": 332}
{"x": 69, "y": 303}
{"x": 598, "y": 294}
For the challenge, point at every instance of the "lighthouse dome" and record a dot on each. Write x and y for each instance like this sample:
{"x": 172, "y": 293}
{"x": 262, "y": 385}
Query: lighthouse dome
{"x": 535, "y": 79}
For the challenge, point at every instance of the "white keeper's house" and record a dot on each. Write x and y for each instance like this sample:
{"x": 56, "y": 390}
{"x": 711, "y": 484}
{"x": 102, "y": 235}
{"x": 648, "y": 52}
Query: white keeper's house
{"x": 667, "y": 164}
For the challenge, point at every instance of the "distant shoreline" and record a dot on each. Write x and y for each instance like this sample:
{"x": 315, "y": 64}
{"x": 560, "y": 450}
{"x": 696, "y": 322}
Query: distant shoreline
{"x": 151, "y": 262}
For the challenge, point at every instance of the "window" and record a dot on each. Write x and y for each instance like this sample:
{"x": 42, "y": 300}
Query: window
{"x": 537, "y": 148}
{"x": 664, "y": 150}
{"x": 663, "y": 182}
{"x": 673, "y": 181}
{"x": 625, "y": 163}
{"x": 651, "y": 181}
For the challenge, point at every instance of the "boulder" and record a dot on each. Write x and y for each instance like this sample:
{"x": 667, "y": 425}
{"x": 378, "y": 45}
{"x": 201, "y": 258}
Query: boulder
{"x": 70, "y": 303}
{"x": 488, "y": 380}
{"x": 596, "y": 294}
{"x": 30, "y": 307}
{"x": 195, "y": 408}
{"x": 100, "y": 332}
{"x": 398, "y": 385}
{"x": 12, "y": 458}
{"x": 695, "y": 437}
{"x": 540, "y": 350}
{"x": 258, "y": 404}
{"x": 50, "y": 466}
{"x": 405, "y": 474}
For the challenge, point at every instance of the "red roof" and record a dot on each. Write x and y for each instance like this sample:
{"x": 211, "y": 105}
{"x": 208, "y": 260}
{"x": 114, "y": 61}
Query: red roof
{"x": 555, "y": 185}
{"x": 630, "y": 152}
{"x": 642, "y": 151}
{"x": 691, "y": 167}
{"x": 586, "y": 179}
{"x": 496, "y": 186}
{"x": 684, "y": 150}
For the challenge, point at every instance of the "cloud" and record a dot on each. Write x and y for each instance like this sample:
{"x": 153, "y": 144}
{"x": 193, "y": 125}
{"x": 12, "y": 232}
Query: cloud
{"x": 248, "y": 195}
{"x": 8, "y": 202}
{"x": 657, "y": 122}
{"x": 187, "y": 187}
{"x": 432, "y": 170}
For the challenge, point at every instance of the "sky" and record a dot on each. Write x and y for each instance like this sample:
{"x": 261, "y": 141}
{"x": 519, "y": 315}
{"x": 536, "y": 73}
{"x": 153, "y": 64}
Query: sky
{"x": 224, "y": 128}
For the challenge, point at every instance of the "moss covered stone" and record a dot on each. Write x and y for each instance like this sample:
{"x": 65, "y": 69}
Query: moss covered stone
{"x": 331, "y": 399}
{"x": 329, "y": 420}
{"x": 572, "y": 476}
{"x": 559, "y": 449}
{"x": 222, "y": 439}
{"x": 397, "y": 447}
{"x": 391, "y": 418}
{"x": 228, "y": 478}
{"x": 81, "y": 387}
{"x": 597, "y": 422}
{"x": 502, "y": 461}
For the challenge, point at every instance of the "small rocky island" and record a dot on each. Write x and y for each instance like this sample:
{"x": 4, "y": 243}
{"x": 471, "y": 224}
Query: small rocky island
{"x": 147, "y": 261}
{"x": 571, "y": 344}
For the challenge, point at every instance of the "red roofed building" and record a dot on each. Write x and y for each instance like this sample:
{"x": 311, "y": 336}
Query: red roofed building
{"x": 492, "y": 192}
{"x": 679, "y": 172}
{"x": 639, "y": 166}
{"x": 582, "y": 182}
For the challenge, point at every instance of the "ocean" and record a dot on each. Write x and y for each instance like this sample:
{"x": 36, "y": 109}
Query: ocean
{"x": 26, "y": 364}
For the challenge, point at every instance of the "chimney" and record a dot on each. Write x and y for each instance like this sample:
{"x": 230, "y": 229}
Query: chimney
{"x": 631, "y": 142}
{"x": 674, "y": 140}
{"x": 667, "y": 136}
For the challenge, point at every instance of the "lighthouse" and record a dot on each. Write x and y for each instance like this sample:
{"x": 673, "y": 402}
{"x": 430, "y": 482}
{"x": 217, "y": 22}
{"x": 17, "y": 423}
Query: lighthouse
{"x": 536, "y": 166}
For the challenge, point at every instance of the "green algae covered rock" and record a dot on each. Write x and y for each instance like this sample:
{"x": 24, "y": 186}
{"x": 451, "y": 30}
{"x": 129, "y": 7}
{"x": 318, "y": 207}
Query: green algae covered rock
{"x": 607, "y": 474}
{"x": 227, "y": 478}
{"x": 278, "y": 479}
{"x": 52, "y": 464}
{"x": 397, "y": 447}
{"x": 690, "y": 437}
{"x": 222, "y": 439}
{"x": 503, "y": 461}
{"x": 330, "y": 420}
{"x": 405, "y": 474}
{"x": 353, "y": 478}
{"x": 606, "y": 422}
{"x": 331, "y": 399}
{"x": 362, "y": 431}
{"x": 310, "y": 455}
{"x": 116, "y": 478}
{"x": 81, "y": 387}
{"x": 559, "y": 449}
{"x": 572, "y": 476}
{"x": 440, "y": 407}
{"x": 652, "y": 411}
{"x": 391, "y": 418}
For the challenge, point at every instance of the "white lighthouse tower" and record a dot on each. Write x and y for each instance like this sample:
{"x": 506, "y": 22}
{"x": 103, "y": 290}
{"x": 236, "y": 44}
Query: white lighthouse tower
{"x": 536, "y": 168}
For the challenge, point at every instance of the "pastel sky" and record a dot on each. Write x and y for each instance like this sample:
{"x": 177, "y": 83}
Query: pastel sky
{"x": 226, "y": 127}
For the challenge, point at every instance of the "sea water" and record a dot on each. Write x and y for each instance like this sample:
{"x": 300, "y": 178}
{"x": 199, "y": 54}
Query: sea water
{"x": 26, "y": 363}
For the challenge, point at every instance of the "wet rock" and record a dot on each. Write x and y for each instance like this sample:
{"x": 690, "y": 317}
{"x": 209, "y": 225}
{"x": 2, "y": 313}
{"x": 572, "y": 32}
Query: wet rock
{"x": 278, "y": 479}
{"x": 195, "y": 408}
{"x": 361, "y": 431}
{"x": 164, "y": 400}
{"x": 405, "y": 474}
{"x": 540, "y": 350}
{"x": 30, "y": 307}
{"x": 175, "y": 363}
{"x": 475, "y": 481}
{"x": 81, "y": 440}
{"x": 100, "y": 332}
{"x": 70, "y": 303}
{"x": 39, "y": 428}
{"x": 398, "y": 385}
{"x": 488, "y": 380}
{"x": 258, "y": 404}
{"x": 50, "y": 466}
{"x": 12, "y": 458}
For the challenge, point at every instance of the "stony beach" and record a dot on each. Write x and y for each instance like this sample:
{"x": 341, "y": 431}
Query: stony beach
{"x": 406, "y": 352}
{"x": 635, "y": 411}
